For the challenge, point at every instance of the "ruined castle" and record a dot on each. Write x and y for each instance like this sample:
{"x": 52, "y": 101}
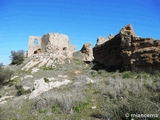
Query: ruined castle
{"x": 124, "y": 51}
{"x": 50, "y": 42}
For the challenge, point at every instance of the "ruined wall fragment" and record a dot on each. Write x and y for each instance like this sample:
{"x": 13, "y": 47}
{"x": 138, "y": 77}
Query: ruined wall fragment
{"x": 126, "y": 51}
{"x": 32, "y": 46}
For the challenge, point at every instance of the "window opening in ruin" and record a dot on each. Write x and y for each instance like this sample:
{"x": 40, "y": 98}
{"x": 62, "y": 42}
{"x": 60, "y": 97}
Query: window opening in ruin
{"x": 35, "y": 42}
{"x": 64, "y": 48}
{"x": 37, "y": 51}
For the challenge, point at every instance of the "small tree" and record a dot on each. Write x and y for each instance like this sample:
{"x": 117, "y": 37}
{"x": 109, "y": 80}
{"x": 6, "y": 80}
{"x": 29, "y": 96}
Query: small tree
{"x": 5, "y": 74}
{"x": 17, "y": 57}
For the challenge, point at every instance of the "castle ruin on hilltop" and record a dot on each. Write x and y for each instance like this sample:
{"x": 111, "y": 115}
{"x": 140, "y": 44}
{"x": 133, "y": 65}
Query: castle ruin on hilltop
{"x": 49, "y": 43}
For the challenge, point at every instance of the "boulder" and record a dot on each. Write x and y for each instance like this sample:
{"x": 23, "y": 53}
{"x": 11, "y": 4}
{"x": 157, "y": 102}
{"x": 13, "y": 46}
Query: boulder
{"x": 40, "y": 86}
{"x": 87, "y": 52}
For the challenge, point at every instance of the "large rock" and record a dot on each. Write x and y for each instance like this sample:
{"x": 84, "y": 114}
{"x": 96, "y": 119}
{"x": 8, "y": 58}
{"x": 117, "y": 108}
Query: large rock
{"x": 127, "y": 52}
{"x": 87, "y": 52}
{"x": 40, "y": 86}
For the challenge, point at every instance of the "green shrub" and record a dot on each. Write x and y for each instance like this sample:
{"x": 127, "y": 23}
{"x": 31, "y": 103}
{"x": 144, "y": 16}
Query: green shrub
{"x": 46, "y": 80}
{"x": 17, "y": 58}
{"x": 80, "y": 107}
{"x": 127, "y": 75}
{"x": 21, "y": 90}
{"x": 54, "y": 108}
{"x": 99, "y": 72}
{"x": 92, "y": 73}
{"x": 43, "y": 111}
{"x": 5, "y": 74}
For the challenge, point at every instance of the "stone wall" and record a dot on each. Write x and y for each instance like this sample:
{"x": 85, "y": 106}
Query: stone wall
{"x": 56, "y": 41}
{"x": 126, "y": 51}
{"x": 31, "y": 45}
{"x": 51, "y": 42}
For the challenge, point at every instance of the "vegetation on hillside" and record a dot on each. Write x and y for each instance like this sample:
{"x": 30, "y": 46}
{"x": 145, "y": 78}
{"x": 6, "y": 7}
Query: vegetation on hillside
{"x": 110, "y": 96}
{"x": 17, "y": 57}
{"x": 5, "y": 74}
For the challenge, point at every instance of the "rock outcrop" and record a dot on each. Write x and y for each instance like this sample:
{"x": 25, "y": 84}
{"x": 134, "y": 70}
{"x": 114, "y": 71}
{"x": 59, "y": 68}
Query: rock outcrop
{"x": 126, "y": 51}
{"x": 41, "y": 86}
{"x": 87, "y": 52}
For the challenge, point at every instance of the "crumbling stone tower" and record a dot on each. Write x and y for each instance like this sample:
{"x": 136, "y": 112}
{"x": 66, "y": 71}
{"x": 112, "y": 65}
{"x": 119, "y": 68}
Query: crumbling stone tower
{"x": 50, "y": 43}
{"x": 34, "y": 45}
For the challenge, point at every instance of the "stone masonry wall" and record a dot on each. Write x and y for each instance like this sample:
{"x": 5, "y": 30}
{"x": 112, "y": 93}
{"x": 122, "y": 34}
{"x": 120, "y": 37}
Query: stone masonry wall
{"x": 31, "y": 46}
{"x": 126, "y": 51}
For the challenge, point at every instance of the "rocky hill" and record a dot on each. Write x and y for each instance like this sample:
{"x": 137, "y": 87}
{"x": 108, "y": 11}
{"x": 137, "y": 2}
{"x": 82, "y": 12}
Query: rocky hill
{"x": 57, "y": 83}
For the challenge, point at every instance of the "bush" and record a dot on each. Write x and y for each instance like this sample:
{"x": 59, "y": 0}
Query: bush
{"x": 21, "y": 90}
{"x": 17, "y": 58}
{"x": 5, "y": 74}
{"x": 46, "y": 80}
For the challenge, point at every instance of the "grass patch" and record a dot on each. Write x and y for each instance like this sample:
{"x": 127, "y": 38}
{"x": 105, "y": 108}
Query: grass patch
{"x": 54, "y": 108}
{"x": 127, "y": 75}
{"x": 48, "y": 68}
{"x": 79, "y": 107}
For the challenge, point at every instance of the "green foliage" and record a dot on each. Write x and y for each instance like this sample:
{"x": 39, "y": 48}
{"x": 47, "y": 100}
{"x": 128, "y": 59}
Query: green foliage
{"x": 43, "y": 111}
{"x": 54, "y": 108}
{"x": 46, "y": 80}
{"x": 48, "y": 68}
{"x": 11, "y": 82}
{"x": 96, "y": 92}
{"x": 93, "y": 74}
{"x": 5, "y": 74}
{"x": 80, "y": 107}
{"x": 99, "y": 72}
{"x": 17, "y": 57}
{"x": 127, "y": 74}
{"x": 21, "y": 90}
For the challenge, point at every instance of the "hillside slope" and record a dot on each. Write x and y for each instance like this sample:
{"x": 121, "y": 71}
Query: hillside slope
{"x": 74, "y": 91}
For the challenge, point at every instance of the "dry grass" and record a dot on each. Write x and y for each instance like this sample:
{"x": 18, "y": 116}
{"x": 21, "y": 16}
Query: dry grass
{"x": 113, "y": 94}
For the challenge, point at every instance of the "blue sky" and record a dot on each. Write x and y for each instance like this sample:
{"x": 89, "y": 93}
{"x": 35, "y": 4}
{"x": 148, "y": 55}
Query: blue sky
{"x": 82, "y": 20}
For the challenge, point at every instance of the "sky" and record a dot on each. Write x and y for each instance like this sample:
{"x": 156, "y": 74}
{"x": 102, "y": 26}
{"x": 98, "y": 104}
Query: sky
{"x": 82, "y": 20}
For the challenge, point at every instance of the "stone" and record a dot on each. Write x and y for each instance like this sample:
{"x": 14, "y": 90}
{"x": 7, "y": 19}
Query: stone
{"x": 41, "y": 86}
{"x": 34, "y": 44}
{"x": 62, "y": 76}
{"x": 49, "y": 43}
{"x": 127, "y": 30}
{"x": 101, "y": 39}
{"x": 51, "y": 49}
{"x": 93, "y": 107}
{"x": 27, "y": 76}
{"x": 14, "y": 77}
{"x": 88, "y": 80}
{"x": 126, "y": 51}
{"x": 4, "y": 99}
{"x": 34, "y": 70}
{"x": 87, "y": 52}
